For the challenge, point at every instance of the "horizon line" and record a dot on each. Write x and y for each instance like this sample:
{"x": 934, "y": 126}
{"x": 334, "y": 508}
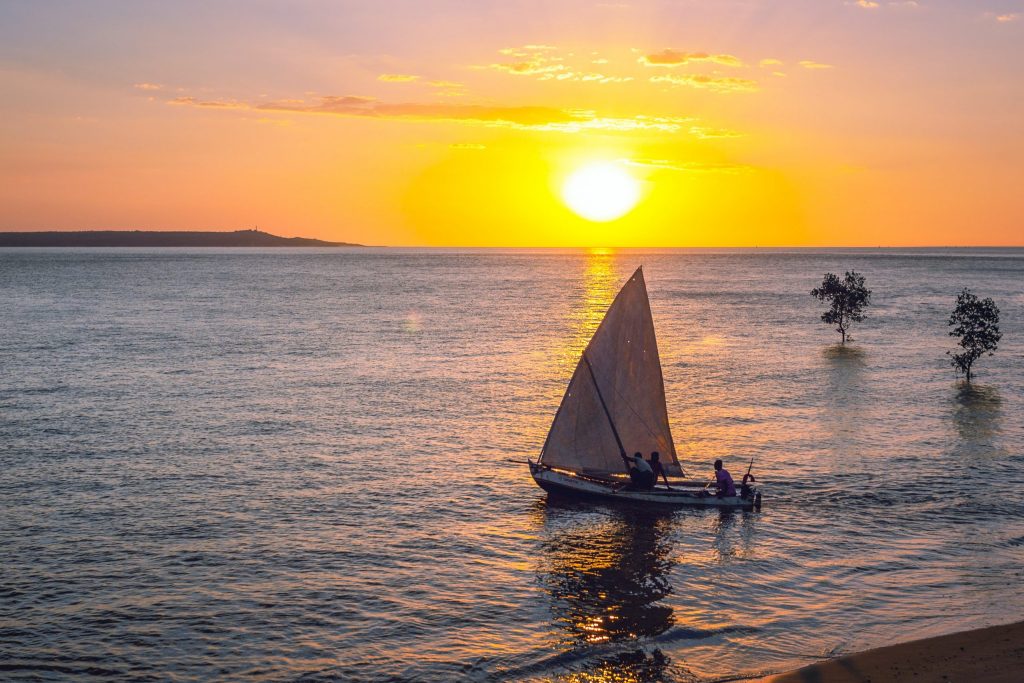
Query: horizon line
{"x": 509, "y": 246}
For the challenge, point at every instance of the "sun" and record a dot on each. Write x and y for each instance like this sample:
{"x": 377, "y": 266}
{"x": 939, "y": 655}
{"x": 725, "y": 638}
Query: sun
{"x": 601, "y": 191}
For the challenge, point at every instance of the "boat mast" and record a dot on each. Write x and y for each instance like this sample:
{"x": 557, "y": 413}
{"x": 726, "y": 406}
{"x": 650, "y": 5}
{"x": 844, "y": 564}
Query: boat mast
{"x": 611, "y": 422}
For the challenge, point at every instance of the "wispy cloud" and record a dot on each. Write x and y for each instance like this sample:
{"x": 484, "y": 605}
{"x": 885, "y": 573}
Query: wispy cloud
{"x": 770, "y": 62}
{"x": 531, "y": 67}
{"x": 1007, "y": 18}
{"x": 688, "y": 166}
{"x": 351, "y": 105}
{"x": 586, "y": 77}
{"x": 525, "y": 50}
{"x": 530, "y": 60}
{"x": 536, "y": 118}
{"x": 706, "y": 133}
{"x": 715, "y": 83}
{"x": 810, "y": 64}
{"x": 148, "y": 86}
{"x": 397, "y": 78}
{"x": 209, "y": 104}
{"x": 867, "y": 4}
{"x": 673, "y": 58}
{"x": 539, "y": 61}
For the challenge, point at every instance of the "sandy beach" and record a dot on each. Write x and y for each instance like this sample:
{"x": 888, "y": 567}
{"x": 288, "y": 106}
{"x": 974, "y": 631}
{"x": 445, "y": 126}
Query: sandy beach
{"x": 994, "y": 654}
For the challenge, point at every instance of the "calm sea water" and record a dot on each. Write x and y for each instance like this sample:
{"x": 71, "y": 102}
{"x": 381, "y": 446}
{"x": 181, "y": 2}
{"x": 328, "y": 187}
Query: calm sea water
{"x": 292, "y": 465}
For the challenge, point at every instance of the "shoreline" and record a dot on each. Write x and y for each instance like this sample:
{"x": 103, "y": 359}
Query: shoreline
{"x": 994, "y": 654}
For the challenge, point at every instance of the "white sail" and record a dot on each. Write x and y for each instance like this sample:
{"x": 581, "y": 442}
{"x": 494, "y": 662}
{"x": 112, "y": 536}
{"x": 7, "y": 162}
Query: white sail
{"x": 617, "y": 390}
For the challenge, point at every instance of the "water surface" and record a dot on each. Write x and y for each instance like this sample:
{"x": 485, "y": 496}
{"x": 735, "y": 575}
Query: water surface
{"x": 291, "y": 465}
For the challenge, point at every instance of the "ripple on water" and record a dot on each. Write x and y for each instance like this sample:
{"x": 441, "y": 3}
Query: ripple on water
{"x": 292, "y": 466}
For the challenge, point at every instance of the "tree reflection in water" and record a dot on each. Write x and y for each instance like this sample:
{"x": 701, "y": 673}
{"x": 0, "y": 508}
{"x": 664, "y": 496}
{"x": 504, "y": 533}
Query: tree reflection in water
{"x": 606, "y": 570}
{"x": 977, "y": 413}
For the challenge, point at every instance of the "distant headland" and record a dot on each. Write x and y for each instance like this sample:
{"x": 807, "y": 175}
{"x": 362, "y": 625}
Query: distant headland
{"x": 151, "y": 238}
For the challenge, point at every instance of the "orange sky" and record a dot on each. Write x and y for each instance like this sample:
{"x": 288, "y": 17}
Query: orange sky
{"x": 747, "y": 122}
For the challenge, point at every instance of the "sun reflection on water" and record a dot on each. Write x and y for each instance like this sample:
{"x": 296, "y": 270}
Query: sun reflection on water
{"x": 600, "y": 282}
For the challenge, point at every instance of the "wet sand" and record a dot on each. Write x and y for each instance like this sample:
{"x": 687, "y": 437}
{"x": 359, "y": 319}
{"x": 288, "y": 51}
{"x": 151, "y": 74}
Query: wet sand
{"x": 994, "y": 654}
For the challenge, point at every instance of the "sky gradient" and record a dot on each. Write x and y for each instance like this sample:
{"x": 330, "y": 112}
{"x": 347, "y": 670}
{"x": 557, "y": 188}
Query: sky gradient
{"x": 747, "y": 123}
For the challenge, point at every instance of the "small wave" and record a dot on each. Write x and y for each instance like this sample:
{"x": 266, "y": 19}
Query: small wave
{"x": 641, "y": 653}
{"x": 31, "y": 391}
{"x": 41, "y": 668}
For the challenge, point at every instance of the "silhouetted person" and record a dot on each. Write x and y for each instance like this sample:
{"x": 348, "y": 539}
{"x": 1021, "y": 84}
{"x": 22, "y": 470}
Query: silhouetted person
{"x": 657, "y": 469}
{"x": 641, "y": 474}
{"x": 724, "y": 481}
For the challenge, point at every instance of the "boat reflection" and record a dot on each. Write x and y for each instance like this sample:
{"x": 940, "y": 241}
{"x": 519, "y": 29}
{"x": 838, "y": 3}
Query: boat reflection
{"x": 606, "y": 571}
{"x": 732, "y": 536}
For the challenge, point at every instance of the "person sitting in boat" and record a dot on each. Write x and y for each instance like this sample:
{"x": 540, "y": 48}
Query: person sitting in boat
{"x": 640, "y": 473}
{"x": 726, "y": 486}
{"x": 656, "y": 468}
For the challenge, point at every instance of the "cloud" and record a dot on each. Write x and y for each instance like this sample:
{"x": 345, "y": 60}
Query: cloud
{"x": 706, "y": 133}
{"x": 467, "y": 145}
{"x": 1006, "y": 18}
{"x": 809, "y": 64}
{"x": 349, "y": 105}
{"x": 539, "y": 61}
{"x": 532, "y": 67}
{"x": 770, "y": 62}
{"x": 715, "y": 83}
{"x": 532, "y": 60}
{"x": 585, "y": 77}
{"x": 552, "y": 69}
{"x": 673, "y": 58}
{"x": 590, "y": 121}
{"x": 524, "y": 50}
{"x": 688, "y": 166}
{"x": 536, "y": 118}
{"x": 874, "y": 4}
{"x": 444, "y": 84}
{"x": 148, "y": 86}
{"x": 209, "y": 104}
{"x": 397, "y": 78}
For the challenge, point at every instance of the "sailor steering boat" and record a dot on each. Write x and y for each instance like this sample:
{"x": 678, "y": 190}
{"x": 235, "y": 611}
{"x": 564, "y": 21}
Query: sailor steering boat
{"x": 616, "y": 401}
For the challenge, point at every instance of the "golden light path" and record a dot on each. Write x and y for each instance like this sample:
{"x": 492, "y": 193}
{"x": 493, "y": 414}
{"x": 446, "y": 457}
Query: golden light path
{"x": 601, "y": 191}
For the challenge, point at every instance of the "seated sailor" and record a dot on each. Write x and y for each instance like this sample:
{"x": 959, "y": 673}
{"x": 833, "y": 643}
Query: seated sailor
{"x": 640, "y": 473}
{"x": 657, "y": 469}
{"x": 723, "y": 480}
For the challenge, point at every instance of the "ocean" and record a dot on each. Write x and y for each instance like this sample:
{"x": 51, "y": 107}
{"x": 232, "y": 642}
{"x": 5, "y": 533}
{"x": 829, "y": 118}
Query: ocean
{"x": 288, "y": 464}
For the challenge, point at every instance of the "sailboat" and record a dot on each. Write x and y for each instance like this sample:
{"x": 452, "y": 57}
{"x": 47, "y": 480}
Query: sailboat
{"x": 613, "y": 407}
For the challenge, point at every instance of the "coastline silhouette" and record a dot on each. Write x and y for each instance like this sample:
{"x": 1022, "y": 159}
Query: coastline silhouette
{"x": 153, "y": 238}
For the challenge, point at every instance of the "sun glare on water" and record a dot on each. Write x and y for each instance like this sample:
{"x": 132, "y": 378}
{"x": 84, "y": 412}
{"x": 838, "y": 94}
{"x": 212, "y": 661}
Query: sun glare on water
{"x": 601, "y": 191}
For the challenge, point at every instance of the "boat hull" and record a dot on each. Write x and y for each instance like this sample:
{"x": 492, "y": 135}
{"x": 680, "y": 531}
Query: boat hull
{"x": 560, "y": 483}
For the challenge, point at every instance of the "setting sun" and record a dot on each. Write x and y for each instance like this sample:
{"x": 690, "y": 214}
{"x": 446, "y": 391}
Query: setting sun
{"x": 601, "y": 192}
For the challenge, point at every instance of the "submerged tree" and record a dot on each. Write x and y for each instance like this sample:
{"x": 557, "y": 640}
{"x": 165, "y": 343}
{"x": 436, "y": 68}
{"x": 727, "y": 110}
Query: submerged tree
{"x": 976, "y": 322}
{"x": 848, "y": 297}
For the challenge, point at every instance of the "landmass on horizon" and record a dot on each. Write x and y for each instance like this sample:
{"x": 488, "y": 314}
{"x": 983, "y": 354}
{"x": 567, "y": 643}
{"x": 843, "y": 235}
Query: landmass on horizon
{"x": 154, "y": 238}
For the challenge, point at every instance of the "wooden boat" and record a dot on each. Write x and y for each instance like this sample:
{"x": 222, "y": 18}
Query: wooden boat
{"x": 613, "y": 407}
